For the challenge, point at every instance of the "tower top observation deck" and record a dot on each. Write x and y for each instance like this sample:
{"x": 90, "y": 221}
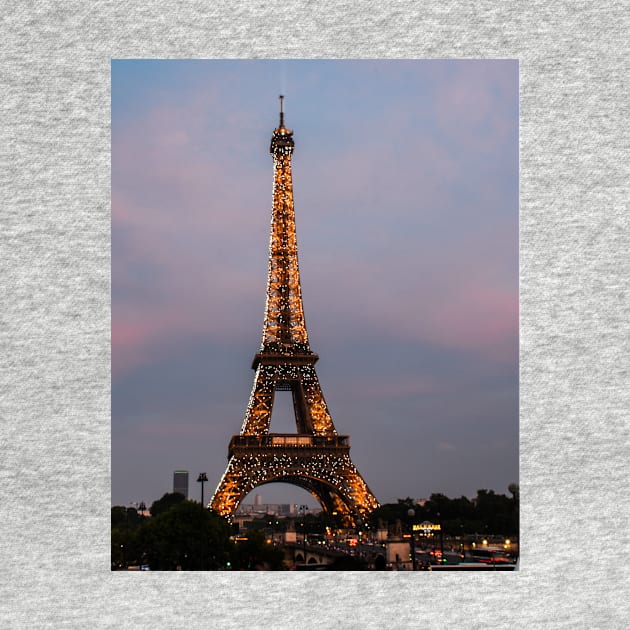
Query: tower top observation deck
{"x": 282, "y": 139}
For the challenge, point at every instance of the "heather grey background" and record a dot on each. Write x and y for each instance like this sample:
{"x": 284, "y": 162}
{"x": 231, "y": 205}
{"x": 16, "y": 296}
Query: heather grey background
{"x": 54, "y": 338}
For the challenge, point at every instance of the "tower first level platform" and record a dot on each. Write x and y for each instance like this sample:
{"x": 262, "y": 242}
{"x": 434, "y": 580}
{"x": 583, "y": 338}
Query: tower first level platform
{"x": 320, "y": 465}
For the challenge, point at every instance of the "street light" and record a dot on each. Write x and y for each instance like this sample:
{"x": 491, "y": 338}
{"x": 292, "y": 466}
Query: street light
{"x": 411, "y": 513}
{"x": 441, "y": 539}
{"x": 303, "y": 510}
{"x": 202, "y": 479}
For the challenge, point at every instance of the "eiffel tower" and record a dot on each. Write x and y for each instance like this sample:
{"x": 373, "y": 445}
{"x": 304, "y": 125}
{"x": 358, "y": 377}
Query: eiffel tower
{"x": 315, "y": 458}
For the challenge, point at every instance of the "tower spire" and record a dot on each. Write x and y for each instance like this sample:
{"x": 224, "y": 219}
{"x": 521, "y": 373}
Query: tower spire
{"x": 281, "y": 112}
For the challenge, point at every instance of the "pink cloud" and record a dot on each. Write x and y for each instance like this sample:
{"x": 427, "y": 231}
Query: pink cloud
{"x": 175, "y": 235}
{"x": 478, "y": 318}
{"x": 455, "y": 308}
{"x": 132, "y": 338}
{"x": 187, "y": 228}
{"x": 466, "y": 107}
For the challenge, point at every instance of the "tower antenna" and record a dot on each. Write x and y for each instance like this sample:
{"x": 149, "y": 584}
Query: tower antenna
{"x": 281, "y": 112}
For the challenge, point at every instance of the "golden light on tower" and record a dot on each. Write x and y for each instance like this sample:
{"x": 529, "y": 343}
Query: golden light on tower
{"x": 315, "y": 458}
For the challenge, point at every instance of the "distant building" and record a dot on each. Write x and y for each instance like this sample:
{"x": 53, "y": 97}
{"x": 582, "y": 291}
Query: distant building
{"x": 279, "y": 509}
{"x": 180, "y": 482}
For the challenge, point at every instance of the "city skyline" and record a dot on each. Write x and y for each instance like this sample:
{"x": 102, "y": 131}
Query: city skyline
{"x": 406, "y": 196}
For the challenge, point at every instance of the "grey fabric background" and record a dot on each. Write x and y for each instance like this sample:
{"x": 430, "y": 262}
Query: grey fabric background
{"x": 55, "y": 329}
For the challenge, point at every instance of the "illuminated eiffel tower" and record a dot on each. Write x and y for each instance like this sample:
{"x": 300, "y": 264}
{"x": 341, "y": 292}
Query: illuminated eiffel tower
{"x": 315, "y": 458}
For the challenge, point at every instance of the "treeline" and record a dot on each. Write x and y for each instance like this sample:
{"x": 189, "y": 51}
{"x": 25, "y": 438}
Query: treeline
{"x": 184, "y": 535}
{"x": 488, "y": 513}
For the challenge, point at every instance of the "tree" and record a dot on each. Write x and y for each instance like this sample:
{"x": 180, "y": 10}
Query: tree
{"x": 187, "y": 536}
{"x": 126, "y": 518}
{"x": 255, "y": 553}
{"x": 496, "y": 512}
{"x": 126, "y": 549}
{"x": 169, "y": 500}
{"x": 126, "y": 523}
{"x": 392, "y": 512}
{"x": 488, "y": 512}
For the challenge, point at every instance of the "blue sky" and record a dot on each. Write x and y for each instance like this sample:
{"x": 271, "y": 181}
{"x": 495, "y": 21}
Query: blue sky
{"x": 406, "y": 195}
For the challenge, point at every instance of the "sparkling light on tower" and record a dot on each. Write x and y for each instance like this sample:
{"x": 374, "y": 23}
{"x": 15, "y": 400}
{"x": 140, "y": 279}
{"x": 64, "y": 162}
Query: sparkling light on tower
{"x": 315, "y": 458}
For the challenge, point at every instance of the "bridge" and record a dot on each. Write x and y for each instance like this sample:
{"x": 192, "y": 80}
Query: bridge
{"x": 297, "y": 553}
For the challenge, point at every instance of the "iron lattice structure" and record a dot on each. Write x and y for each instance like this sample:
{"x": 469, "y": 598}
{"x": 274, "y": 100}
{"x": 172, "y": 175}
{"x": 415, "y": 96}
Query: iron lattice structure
{"x": 315, "y": 458}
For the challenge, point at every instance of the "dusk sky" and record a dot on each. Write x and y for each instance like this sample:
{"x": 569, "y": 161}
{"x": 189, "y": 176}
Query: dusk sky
{"x": 406, "y": 185}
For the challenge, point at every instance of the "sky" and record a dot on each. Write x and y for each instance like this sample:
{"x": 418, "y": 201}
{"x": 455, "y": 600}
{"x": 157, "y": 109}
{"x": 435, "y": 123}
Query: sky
{"x": 405, "y": 177}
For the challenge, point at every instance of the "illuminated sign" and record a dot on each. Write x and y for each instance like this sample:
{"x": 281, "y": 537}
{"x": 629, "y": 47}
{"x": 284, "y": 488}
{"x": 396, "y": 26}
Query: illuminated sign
{"x": 426, "y": 526}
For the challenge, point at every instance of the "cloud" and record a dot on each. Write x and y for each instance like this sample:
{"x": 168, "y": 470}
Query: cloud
{"x": 449, "y": 307}
{"x": 475, "y": 108}
{"x": 372, "y": 388}
{"x": 406, "y": 191}
{"x": 446, "y": 447}
{"x": 185, "y": 233}
{"x": 178, "y": 247}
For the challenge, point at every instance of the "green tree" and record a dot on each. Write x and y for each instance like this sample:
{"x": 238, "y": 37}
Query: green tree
{"x": 126, "y": 517}
{"x": 169, "y": 500}
{"x": 496, "y": 513}
{"x": 392, "y": 512}
{"x": 126, "y": 523}
{"x": 487, "y": 513}
{"x": 186, "y": 536}
{"x": 255, "y": 553}
{"x": 126, "y": 548}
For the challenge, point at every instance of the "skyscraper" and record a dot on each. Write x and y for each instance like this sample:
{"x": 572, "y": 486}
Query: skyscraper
{"x": 180, "y": 482}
